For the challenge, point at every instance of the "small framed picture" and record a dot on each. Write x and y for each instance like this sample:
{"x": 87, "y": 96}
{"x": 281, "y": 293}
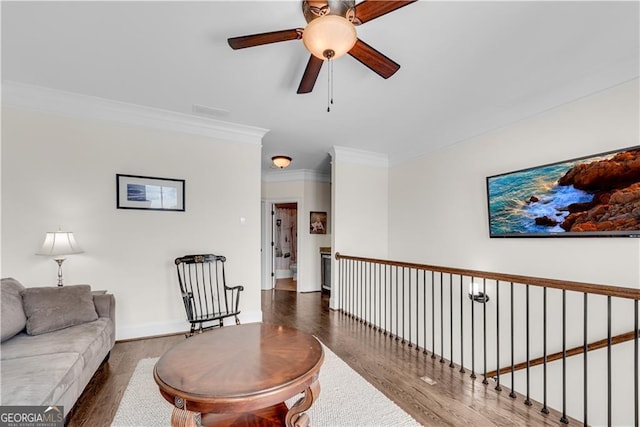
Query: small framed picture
{"x": 146, "y": 192}
{"x": 318, "y": 223}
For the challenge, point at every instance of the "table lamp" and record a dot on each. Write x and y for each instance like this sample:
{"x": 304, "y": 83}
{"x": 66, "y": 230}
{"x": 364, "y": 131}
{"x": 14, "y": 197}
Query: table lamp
{"x": 57, "y": 244}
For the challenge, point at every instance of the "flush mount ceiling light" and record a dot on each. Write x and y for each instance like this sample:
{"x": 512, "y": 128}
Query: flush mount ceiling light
{"x": 281, "y": 162}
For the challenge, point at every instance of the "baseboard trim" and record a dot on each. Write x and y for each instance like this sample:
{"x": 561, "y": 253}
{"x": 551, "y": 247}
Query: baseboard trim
{"x": 174, "y": 327}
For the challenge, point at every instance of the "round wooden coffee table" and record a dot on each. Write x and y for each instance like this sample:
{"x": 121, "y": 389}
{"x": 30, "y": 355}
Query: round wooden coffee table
{"x": 241, "y": 375}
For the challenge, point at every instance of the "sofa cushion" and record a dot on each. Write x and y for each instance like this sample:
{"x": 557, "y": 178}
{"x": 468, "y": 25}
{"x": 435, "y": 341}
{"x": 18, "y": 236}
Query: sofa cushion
{"x": 13, "y": 317}
{"x": 52, "y": 308}
{"x": 39, "y": 380}
{"x": 79, "y": 339}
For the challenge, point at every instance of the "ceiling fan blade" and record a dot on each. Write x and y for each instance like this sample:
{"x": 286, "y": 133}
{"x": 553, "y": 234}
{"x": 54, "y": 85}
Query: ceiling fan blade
{"x": 371, "y": 9}
{"x": 373, "y": 59}
{"x": 264, "y": 38}
{"x": 310, "y": 74}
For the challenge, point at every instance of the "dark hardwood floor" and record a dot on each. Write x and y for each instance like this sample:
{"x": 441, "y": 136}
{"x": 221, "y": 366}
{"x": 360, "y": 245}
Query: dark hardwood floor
{"x": 287, "y": 284}
{"x": 395, "y": 369}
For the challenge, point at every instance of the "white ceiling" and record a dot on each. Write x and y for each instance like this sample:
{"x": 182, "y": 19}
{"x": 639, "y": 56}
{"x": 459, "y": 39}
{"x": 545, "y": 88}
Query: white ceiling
{"x": 466, "y": 67}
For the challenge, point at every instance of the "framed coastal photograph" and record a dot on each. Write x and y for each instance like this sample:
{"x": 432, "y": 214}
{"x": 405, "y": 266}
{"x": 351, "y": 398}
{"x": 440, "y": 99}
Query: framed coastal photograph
{"x": 151, "y": 193}
{"x": 318, "y": 223}
{"x": 593, "y": 196}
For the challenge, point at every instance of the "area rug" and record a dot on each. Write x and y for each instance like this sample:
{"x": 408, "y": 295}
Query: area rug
{"x": 346, "y": 399}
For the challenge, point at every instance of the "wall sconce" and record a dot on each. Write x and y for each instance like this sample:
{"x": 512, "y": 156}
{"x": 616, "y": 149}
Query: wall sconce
{"x": 281, "y": 162}
{"x": 476, "y": 294}
{"x": 57, "y": 244}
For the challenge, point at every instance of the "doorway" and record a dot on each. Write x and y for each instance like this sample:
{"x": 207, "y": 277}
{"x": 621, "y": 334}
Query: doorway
{"x": 285, "y": 245}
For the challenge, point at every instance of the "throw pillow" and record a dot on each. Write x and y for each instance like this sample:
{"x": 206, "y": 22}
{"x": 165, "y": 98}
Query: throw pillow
{"x": 13, "y": 318}
{"x": 52, "y": 308}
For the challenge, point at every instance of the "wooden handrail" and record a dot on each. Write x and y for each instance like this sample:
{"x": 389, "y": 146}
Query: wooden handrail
{"x": 370, "y": 298}
{"x": 596, "y": 345}
{"x": 590, "y": 288}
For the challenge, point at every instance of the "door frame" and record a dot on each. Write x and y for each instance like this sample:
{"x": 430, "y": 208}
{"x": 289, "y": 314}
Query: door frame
{"x": 268, "y": 280}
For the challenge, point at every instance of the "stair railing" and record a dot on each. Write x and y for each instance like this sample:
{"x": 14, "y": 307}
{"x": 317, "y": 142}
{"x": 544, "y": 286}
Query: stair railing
{"x": 477, "y": 319}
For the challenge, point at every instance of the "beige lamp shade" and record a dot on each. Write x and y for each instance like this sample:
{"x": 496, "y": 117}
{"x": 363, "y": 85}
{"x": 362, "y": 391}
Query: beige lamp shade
{"x": 57, "y": 244}
{"x": 329, "y": 33}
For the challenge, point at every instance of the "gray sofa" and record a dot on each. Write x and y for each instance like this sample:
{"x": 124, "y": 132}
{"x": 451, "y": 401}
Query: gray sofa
{"x": 53, "y": 341}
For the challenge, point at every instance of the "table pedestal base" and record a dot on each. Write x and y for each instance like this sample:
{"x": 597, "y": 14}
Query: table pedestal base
{"x": 273, "y": 416}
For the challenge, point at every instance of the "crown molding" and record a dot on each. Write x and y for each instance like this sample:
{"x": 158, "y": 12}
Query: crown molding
{"x": 295, "y": 175}
{"x": 47, "y": 100}
{"x": 359, "y": 157}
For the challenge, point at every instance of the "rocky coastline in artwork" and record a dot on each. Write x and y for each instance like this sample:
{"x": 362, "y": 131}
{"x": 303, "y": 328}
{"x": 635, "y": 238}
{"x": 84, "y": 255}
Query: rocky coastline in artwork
{"x": 615, "y": 185}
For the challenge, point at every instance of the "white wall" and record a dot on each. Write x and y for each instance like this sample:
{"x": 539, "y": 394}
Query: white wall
{"x": 317, "y": 199}
{"x": 360, "y": 206}
{"x": 436, "y": 210}
{"x": 360, "y": 202}
{"x": 311, "y": 195}
{"x": 60, "y": 171}
{"x": 438, "y": 207}
{"x": 438, "y": 216}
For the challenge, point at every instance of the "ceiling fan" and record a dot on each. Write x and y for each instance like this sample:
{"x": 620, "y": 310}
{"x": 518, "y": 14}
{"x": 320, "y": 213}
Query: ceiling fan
{"x": 329, "y": 34}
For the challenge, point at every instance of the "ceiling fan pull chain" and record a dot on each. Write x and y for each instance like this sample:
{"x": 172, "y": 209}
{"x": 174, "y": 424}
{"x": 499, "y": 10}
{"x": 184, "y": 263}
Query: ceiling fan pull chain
{"x": 331, "y": 71}
{"x": 329, "y": 86}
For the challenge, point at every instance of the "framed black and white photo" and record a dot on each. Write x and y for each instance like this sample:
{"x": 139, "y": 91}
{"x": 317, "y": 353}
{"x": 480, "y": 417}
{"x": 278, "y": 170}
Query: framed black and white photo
{"x": 146, "y": 192}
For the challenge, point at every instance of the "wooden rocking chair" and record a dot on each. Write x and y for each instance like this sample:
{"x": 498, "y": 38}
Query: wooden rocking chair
{"x": 207, "y": 298}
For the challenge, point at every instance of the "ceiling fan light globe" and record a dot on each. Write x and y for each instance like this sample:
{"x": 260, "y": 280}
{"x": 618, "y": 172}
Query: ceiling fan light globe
{"x": 329, "y": 33}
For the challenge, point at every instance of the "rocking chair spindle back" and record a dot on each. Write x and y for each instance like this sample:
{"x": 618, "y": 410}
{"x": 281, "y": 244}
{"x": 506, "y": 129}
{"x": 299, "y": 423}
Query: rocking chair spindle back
{"x": 207, "y": 298}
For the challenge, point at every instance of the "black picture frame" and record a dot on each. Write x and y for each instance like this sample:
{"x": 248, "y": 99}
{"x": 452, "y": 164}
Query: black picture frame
{"x": 591, "y": 196}
{"x": 150, "y": 193}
